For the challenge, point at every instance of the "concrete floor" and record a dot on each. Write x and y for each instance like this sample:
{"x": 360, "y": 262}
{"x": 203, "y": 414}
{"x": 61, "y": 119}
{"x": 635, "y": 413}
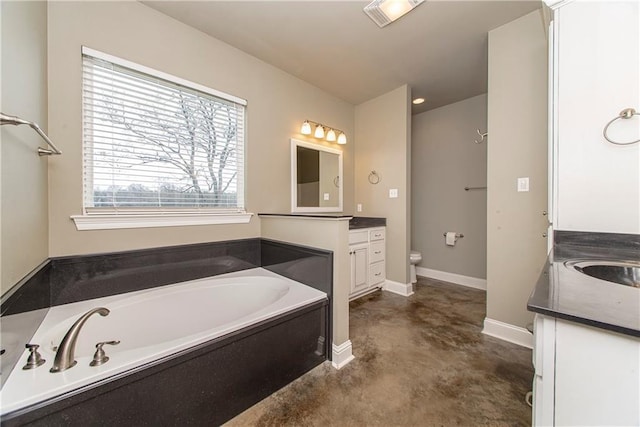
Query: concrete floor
{"x": 420, "y": 361}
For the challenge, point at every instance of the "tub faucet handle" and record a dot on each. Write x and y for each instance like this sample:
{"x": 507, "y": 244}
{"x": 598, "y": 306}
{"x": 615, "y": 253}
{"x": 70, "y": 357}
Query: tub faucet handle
{"x": 100, "y": 357}
{"x": 34, "y": 360}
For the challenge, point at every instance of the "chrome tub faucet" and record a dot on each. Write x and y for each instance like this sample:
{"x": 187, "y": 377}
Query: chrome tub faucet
{"x": 65, "y": 356}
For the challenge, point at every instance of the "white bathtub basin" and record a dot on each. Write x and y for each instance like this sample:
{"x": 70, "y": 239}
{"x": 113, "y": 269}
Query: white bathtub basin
{"x": 151, "y": 324}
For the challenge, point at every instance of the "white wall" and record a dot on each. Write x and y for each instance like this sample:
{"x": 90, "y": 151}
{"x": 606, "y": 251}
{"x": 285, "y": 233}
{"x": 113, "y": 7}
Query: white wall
{"x": 444, "y": 160}
{"x": 24, "y": 223}
{"x": 517, "y": 147}
{"x": 598, "y": 185}
{"x": 277, "y": 105}
{"x": 383, "y": 144}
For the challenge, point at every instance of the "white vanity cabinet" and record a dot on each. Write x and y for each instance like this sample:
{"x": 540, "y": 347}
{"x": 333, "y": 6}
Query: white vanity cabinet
{"x": 584, "y": 375}
{"x": 367, "y": 251}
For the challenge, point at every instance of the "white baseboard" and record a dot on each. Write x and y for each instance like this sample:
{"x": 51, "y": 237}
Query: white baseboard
{"x": 341, "y": 354}
{"x": 398, "y": 288}
{"x": 458, "y": 279}
{"x": 508, "y": 332}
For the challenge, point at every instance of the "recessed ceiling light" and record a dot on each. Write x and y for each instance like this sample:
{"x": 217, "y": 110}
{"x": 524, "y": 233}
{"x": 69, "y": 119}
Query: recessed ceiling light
{"x": 417, "y": 101}
{"x": 384, "y": 12}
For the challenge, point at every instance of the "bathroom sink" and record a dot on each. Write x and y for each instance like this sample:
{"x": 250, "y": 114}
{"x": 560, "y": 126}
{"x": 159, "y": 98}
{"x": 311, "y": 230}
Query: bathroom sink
{"x": 622, "y": 272}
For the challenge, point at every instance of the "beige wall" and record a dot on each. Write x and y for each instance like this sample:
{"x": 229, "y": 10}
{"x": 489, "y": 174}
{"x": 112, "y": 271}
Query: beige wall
{"x": 444, "y": 160}
{"x": 23, "y": 225}
{"x": 517, "y": 147}
{"x": 383, "y": 144}
{"x": 329, "y": 234}
{"x": 277, "y": 105}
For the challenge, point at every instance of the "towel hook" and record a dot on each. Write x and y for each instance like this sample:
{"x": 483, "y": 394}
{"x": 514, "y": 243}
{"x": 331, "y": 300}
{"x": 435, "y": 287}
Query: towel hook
{"x": 482, "y": 136}
{"x": 627, "y": 113}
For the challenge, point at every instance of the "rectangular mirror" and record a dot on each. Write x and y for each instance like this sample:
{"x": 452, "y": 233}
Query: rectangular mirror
{"x": 316, "y": 178}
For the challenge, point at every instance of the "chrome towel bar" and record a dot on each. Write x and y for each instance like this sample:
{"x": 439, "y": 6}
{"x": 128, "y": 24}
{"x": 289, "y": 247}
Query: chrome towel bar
{"x": 6, "y": 119}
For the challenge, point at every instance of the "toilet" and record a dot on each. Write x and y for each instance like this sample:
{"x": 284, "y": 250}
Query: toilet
{"x": 414, "y": 258}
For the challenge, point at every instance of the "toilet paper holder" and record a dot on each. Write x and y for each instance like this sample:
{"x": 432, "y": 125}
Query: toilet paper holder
{"x": 458, "y": 235}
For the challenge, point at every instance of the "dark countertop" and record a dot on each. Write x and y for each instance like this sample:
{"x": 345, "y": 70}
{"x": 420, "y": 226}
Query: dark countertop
{"x": 565, "y": 293}
{"x": 308, "y": 215}
{"x": 366, "y": 222}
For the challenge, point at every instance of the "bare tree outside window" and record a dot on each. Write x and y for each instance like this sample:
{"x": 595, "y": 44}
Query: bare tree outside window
{"x": 157, "y": 144}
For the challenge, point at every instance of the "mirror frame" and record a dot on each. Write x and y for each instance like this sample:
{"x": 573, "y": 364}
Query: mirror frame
{"x": 295, "y": 143}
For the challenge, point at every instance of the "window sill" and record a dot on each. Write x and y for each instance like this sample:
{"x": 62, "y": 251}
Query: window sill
{"x": 111, "y": 221}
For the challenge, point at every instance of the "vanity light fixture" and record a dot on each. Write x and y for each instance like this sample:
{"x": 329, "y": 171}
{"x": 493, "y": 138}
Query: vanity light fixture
{"x": 306, "y": 128}
{"x": 323, "y": 132}
{"x": 384, "y": 12}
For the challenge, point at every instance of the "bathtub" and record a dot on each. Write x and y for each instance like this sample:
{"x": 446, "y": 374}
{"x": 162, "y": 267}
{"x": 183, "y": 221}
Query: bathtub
{"x": 150, "y": 325}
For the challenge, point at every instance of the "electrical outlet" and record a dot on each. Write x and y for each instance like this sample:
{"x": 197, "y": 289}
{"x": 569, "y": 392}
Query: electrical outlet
{"x": 393, "y": 193}
{"x": 326, "y": 196}
{"x": 523, "y": 184}
{"x": 359, "y": 207}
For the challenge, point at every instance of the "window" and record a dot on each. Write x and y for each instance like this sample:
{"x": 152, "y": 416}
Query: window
{"x": 158, "y": 146}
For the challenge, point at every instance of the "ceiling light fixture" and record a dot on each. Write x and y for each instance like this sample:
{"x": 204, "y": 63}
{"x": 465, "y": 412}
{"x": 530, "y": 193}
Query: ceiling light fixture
{"x": 384, "y": 12}
{"x": 418, "y": 101}
{"x": 323, "y": 132}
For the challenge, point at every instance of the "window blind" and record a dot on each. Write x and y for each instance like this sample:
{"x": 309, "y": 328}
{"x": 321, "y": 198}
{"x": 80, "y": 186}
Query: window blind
{"x": 153, "y": 143}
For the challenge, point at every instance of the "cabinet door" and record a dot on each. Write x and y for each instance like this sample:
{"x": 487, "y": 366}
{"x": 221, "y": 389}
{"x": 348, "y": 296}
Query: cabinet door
{"x": 359, "y": 267}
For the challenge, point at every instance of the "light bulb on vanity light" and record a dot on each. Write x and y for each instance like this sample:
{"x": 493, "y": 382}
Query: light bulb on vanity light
{"x": 319, "y": 133}
{"x": 306, "y": 128}
{"x": 342, "y": 138}
{"x": 331, "y": 135}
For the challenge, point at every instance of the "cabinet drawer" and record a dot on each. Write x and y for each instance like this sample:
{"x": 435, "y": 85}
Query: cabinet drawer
{"x": 376, "y": 273}
{"x": 376, "y": 253}
{"x": 358, "y": 237}
{"x": 377, "y": 234}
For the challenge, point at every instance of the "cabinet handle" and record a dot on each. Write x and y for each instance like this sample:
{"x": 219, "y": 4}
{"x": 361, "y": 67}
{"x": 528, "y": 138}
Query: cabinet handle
{"x": 377, "y": 274}
{"x": 377, "y": 235}
{"x": 377, "y": 252}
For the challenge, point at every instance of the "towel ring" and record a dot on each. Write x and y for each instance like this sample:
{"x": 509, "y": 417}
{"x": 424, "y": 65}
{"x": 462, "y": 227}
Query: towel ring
{"x": 627, "y": 113}
{"x": 374, "y": 178}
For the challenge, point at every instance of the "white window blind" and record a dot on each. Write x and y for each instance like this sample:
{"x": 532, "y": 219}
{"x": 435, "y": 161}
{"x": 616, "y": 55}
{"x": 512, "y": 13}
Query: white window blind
{"x": 154, "y": 142}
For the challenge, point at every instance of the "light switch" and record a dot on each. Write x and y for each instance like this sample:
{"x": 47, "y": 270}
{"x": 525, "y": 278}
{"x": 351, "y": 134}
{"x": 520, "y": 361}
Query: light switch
{"x": 523, "y": 184}
{"x": 359, "y": 207}
{"x": 326, "y": 196}
{"x": 393, "y": 193}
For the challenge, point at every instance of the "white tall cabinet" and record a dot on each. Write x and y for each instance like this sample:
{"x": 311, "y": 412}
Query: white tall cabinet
{"x": 595, "y": 75}
{"x": 586, "y": 375}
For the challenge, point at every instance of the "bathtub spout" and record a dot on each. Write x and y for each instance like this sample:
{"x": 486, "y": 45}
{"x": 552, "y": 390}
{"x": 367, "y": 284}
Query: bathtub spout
{"x": 65, "y": 356}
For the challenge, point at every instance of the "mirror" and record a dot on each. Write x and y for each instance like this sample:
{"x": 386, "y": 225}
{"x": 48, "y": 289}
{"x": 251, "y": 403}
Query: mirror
{"x": 316, "y": 178}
